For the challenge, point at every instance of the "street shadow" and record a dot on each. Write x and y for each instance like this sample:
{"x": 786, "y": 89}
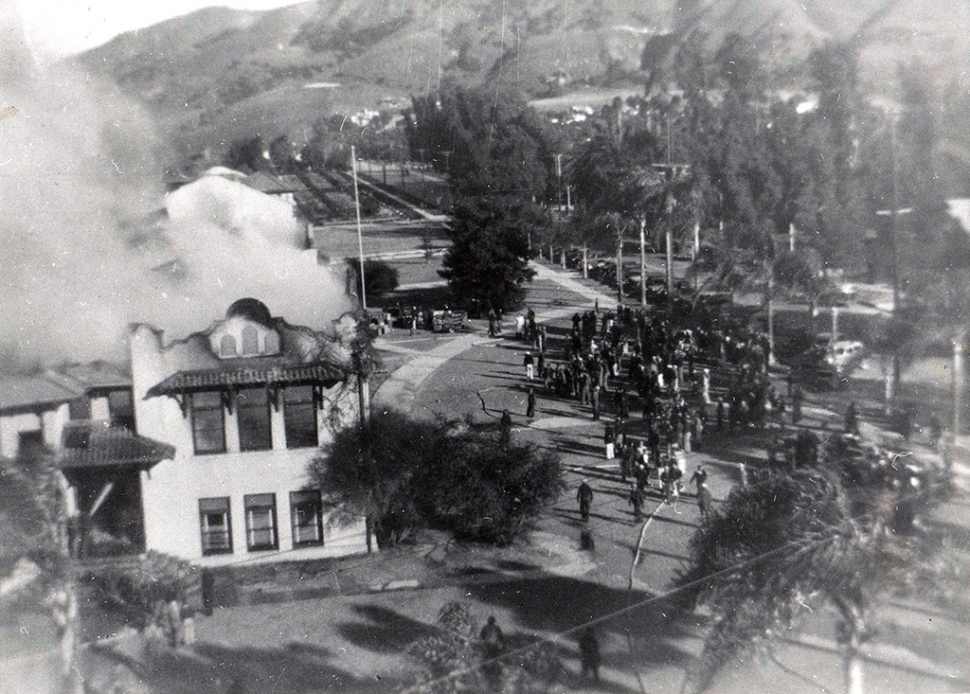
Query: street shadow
{"x": 570, "y": 446}
{"x": 385, "y": 631}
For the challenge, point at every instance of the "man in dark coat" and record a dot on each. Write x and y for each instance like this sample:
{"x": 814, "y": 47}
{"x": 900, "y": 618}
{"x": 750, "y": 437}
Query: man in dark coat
{"x": 584, "y": 495}
{"x": 530, "y": 410}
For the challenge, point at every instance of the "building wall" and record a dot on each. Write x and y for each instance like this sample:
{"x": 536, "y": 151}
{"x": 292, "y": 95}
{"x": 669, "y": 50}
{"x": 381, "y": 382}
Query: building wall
{"x": 51, "y": 423}
{"x": 172, "y": 489}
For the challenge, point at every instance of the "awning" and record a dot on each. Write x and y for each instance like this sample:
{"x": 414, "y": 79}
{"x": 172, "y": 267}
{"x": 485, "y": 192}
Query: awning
{"x": 87, "y": 445}
{"x": 213, "y": 379}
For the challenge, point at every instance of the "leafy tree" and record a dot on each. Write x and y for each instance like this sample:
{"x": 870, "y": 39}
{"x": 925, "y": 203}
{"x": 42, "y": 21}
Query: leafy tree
{"x": 488, "y": 144}
{"x": 369, "y": 470}
{"x": 781, "y": 548}
{"x": 489, "y": 252}
{"x": 247, "y": 153}
{"x": 399, "y": 472}
{"x": 484, "y": 489}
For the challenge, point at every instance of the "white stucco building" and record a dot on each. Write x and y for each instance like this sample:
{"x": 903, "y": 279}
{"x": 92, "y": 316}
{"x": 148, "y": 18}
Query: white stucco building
{"x": 245, "y": 404}
{"x": 200, "y": 452}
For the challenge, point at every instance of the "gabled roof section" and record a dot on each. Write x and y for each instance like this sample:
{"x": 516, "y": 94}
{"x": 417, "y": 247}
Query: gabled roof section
{"x": 95, "y": 444}
{"x": 97, "y": 375}
{"x": 33, "y": 392}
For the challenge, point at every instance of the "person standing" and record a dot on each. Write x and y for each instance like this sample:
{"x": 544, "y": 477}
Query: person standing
{"x": 609, "y": 440}
{"x": 636, "y": 500}
{"x": 530, "y": 410}
{"x": 589, "y": 653}
{"x": 595, "y": 402}
{"x": 700, "y": 478}
{"x": 493, "y": 643}
{"x": 704, "y": 501}
{"x": 529, "y": 362}
{"x": 505, "y": 428}
{"x": 585, "y": 497}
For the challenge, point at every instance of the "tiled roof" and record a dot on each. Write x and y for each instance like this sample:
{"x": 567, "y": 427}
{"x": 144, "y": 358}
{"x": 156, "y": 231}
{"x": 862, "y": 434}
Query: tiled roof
{"x": 95, "y": 444}
{"x": 260, "y": 373}
{"x": 19, "y": 392}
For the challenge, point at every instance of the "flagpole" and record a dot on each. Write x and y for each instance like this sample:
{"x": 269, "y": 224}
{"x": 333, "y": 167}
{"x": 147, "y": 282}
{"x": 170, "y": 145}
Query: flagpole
{"x": 360, "y": 241}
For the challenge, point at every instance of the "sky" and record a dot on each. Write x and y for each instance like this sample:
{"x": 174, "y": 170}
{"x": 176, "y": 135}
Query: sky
{"x": 57, "y": 28}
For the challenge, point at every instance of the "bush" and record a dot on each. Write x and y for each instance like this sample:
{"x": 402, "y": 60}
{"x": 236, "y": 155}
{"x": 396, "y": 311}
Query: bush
{"x": 483, "y": 489}
{"x": 136, "y": 591}
{"x": 399, "y": 471}
{"x": 379, "y": 277}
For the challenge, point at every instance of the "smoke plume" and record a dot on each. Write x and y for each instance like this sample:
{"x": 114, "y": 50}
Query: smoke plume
{"x": 83, "y": 252}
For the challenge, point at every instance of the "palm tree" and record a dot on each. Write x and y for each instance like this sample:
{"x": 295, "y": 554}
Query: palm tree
{"x": 783, "y": 547}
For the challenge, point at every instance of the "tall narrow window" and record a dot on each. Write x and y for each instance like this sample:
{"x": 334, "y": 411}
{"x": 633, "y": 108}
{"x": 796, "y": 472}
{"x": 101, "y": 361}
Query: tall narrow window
{"x": 299, "y": 417}
{"x": 208, "y": 425}
{"x": 227, "y": 346}
{"x": 306, "y": 515}
{"x": 121, "y": 409}
{"x": 252, "y": 408}
{"x": 250, "y": 340}
{"x": 215, "y": 525}
{"x": 260, "y": 521}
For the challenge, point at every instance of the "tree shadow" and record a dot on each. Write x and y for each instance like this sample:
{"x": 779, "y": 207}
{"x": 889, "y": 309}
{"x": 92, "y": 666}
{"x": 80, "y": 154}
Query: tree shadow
{"x": 564, "y": 604}
{"x": 385, "y": 632}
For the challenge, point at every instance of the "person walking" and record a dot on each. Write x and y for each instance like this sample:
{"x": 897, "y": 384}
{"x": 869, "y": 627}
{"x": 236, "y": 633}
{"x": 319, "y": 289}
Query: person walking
{"x": 595, "y": 402}
{"x": 585, "y": 497}
{"x": 589, "y": 653}
{"x": 699, "y": 477}
{"x": 530, "y": 410}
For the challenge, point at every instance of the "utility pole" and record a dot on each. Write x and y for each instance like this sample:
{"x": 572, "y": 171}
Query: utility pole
{"x": 360, "y": 240}
{"x": 643, "y": 262}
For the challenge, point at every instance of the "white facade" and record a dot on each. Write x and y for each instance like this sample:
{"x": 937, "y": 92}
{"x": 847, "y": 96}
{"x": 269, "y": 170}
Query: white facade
{"x": 173, "y": 489}
{"x": 50, "y": 423}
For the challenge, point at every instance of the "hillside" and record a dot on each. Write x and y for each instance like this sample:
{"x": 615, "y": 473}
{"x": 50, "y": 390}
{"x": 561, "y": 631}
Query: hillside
{"x": 218, "y": 73}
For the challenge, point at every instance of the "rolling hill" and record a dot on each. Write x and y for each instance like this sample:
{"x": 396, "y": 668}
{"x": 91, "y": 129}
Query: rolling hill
{"x": 218, "y": 74}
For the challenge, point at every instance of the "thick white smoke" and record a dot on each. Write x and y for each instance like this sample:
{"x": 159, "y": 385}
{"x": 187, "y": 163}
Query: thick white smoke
{"x": 79, "y": 173}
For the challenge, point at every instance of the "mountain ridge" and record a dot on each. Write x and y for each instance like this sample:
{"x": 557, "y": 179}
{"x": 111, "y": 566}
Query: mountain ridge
{"x": 196, "y": 69}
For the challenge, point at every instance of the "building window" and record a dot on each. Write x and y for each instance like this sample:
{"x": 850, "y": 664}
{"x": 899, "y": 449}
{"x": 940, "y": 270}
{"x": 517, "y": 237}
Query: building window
{"x": 252, "y": 408}
{"x": 250, "y": 340}
{"x": 260, "y": 521}
{"x": 299, "y": 417}
{"x": 121, "y": 409}
{"x": 208, "y": 424}
{"x": 216, "y": 526}
{"x": 79, "y": 408}
{"x": 306, "y": 515}
{"x": 227, "y": 346}
{"x": 271, "y": 342}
